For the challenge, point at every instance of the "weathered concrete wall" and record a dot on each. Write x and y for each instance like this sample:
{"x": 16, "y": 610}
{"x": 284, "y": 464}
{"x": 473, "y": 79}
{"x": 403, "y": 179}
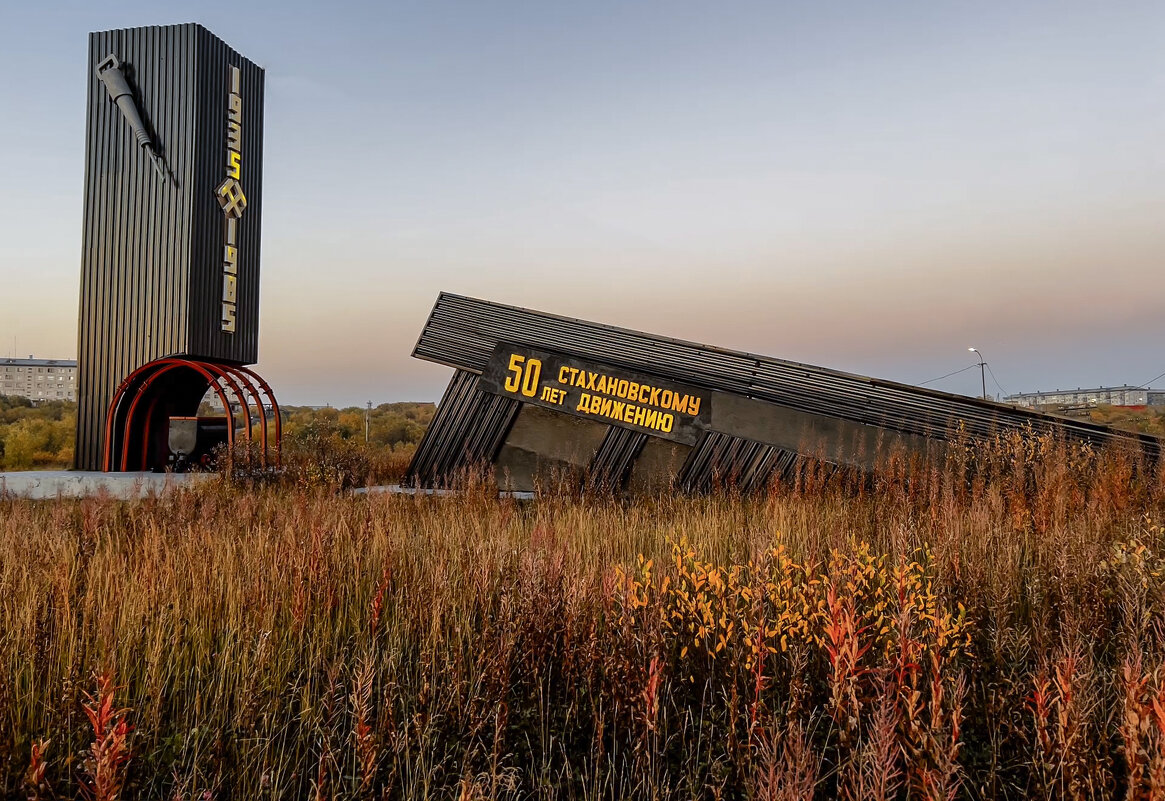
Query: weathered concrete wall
{"x": 543, "y": 446}
{"x": 829, "y": 438}
{"x": 657, "y": 465}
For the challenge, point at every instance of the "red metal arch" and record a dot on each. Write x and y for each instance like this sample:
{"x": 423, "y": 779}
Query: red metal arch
{"x": 244, "y": 373}
{"x": 150, "y": 372}
{"x": 253, "y": 390}
{"x": 136, "y": 384}
{"x": 274, "y": 410}
{"x": 118, "y": 398}
{"x": 211, "y": 372}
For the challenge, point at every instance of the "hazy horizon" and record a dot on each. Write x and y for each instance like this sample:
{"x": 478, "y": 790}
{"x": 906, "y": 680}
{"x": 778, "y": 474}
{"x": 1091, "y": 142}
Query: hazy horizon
{"x": 868, "y": 188}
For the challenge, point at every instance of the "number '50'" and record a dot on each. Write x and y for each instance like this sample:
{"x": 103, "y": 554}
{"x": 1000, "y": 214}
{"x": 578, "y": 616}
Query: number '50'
{"x": 523, "y": 378}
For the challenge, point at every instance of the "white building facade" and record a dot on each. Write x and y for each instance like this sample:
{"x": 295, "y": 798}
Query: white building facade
{"x": 1107, "y": 396}
{"x": 39, "y": 379}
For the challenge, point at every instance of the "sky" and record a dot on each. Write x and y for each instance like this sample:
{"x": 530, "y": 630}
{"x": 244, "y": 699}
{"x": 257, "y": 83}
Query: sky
{"x": 872, "y": 187}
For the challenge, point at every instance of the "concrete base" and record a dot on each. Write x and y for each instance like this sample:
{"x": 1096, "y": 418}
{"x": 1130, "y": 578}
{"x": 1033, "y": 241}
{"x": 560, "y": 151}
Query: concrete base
{"x": 397, "y": 489}
{"x": 48, "y": 484}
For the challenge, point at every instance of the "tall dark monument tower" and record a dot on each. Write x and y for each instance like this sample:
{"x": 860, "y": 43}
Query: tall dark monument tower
{"x": 172, "y": 227}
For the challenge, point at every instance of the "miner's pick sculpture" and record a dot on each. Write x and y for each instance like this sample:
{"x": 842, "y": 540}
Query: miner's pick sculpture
{"x": 110, "y": 72}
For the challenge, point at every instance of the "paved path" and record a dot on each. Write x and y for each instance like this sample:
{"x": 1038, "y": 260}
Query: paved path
{"x": 397, "y": 489}
{"x": 47, "y": 484}
{"x": 80, "y": 484}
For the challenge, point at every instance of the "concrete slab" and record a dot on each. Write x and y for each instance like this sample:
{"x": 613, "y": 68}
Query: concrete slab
{"x": 545, "y": 447}
{"x": 397, "y": 489}
{"x": 48, "y": 484}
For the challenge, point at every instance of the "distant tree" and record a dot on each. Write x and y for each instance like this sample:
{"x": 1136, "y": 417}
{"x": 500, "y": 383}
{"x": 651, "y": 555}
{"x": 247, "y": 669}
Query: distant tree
{"x": 392, "y": 425}
{"x": 41, "y": 435}
{"x": 1149, "y": 420}
{"x": 38, "y": 441}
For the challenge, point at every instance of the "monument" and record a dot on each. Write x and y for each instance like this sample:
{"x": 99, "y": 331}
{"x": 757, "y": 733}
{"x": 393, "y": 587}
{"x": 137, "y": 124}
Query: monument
{"x": 536, "y": 395}
{"x": 172, "y": 227}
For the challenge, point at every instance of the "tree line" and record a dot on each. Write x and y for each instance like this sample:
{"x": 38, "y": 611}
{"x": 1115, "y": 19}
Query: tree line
{"x": 41, "y": 436}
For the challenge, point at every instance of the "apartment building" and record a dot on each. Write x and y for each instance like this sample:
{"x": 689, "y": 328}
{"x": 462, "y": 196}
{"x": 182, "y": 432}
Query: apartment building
{"x": 39, "y": 379}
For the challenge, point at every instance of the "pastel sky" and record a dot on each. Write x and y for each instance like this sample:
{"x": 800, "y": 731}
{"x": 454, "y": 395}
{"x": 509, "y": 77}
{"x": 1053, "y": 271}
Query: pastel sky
{"x": 872, "y": 187}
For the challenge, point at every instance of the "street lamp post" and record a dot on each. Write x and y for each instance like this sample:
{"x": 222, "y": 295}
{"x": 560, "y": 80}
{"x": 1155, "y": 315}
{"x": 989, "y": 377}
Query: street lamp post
{"x": 982, "y": 375}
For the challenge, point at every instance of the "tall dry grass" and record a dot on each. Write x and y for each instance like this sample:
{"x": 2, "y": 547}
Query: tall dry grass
{"x": 992, "y": 629}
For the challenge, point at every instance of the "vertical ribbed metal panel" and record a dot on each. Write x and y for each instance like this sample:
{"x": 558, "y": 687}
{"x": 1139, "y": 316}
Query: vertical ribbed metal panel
{"x": 617, "y": 453}
{"x": 207, "y": 339}
{"x": 151, "y": 259}
{"x": 720, "y": 460}
{"x": 467, "y": 430}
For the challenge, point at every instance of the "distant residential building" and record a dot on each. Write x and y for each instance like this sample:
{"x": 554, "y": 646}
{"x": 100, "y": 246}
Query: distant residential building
{"x": 1109, "y": 396}
{"x": 212, "y": 404}
{"x": 39, "y": 379}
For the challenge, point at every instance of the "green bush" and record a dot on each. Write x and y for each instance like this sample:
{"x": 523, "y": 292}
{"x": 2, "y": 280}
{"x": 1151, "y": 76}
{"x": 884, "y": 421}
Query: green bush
{"x": 36, "y": 436}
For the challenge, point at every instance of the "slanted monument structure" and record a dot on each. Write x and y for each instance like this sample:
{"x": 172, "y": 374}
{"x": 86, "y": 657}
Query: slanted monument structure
{"x": 537, "y": 395}
{"x": 173, "y": 211}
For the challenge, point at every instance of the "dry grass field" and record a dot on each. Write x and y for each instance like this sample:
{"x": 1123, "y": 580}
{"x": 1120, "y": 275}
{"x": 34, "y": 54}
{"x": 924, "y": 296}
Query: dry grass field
{"x": 991, "y": 629}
